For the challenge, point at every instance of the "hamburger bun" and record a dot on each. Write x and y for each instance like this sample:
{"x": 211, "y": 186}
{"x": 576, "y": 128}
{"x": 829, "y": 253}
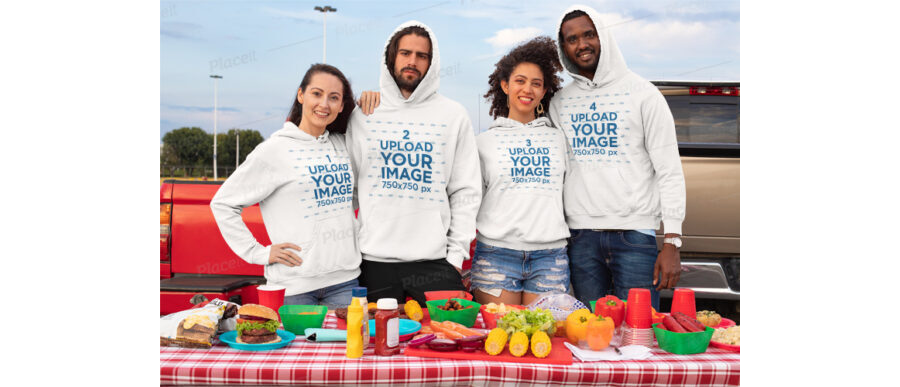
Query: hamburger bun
{"x": 256, "y": 310}
{"x": 275, "y": 340}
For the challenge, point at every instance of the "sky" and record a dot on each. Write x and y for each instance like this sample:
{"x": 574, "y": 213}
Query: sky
{"x": 263, "y": 48}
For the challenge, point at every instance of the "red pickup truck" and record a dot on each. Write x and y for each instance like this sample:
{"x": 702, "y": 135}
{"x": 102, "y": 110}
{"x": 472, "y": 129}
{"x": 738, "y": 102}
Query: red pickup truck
{"x": 193, "y": 256}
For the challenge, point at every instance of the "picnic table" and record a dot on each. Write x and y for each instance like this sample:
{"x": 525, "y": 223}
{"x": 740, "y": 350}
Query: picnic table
{"x": 304, "y": 362}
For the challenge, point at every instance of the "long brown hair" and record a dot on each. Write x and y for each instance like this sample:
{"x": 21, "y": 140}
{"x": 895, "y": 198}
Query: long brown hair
{"x": 340, "y": 123}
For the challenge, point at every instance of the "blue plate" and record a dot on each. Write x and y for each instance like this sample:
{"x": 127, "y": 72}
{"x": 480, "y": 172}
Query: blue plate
{"x": 407, "y": 327}
{"x": 230, "y": 338}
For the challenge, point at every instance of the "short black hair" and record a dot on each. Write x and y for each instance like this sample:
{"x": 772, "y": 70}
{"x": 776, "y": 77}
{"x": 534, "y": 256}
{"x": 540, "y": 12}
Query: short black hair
{"x": 569, "y": 16}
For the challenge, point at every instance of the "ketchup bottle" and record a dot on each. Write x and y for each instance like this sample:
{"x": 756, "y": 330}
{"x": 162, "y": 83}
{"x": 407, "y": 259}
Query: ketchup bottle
{"x": 387, "y": 328}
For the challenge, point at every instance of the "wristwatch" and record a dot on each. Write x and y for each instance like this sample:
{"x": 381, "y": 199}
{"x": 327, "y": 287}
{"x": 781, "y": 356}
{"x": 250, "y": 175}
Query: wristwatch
{"x": 676, "y": 241}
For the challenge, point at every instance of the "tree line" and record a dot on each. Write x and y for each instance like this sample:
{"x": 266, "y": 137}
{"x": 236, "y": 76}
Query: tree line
{"x": 188, "y": 148}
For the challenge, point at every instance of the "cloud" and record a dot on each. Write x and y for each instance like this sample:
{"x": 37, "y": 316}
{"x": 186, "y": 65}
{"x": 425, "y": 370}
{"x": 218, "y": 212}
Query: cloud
{"x": 180, "y": 30}
{"x": 508, "y": 37}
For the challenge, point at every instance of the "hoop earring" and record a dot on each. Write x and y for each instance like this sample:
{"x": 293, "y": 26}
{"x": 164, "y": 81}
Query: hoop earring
{"x": 540, "y": 109}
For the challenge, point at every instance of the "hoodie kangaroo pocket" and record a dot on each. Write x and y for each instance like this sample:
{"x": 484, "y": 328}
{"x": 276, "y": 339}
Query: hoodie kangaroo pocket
{"x": 598, "y": 192}
{"x": 333, "y": 247}
{"x": 394, "y": 231}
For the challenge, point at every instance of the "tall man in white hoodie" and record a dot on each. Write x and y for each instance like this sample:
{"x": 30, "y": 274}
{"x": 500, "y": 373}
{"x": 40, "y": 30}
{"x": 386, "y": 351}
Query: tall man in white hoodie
{"x": 419, "y": 180}
{"x": 625, "y": 171}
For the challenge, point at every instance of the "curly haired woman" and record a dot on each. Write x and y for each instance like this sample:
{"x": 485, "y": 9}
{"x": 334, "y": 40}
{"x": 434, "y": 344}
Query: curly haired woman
{"x": 521, "y": 248}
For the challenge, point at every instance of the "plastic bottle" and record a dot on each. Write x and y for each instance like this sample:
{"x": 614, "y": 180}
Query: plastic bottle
{"x": 359, "y": 297}
{"x": 354, "y": 331}
{"x": 387, "y": 328}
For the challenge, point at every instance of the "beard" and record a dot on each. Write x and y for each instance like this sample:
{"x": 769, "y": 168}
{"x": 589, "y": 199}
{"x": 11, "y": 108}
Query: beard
{"x": 592, "y": 66}
{"x": 403, "y": 83}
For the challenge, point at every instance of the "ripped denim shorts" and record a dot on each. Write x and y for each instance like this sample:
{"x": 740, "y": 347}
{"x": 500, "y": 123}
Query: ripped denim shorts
{"x": 539, "y": 271}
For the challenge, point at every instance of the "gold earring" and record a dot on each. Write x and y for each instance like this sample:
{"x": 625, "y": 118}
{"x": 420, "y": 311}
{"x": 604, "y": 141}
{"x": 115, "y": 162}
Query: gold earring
{"x": 540, "y": 109}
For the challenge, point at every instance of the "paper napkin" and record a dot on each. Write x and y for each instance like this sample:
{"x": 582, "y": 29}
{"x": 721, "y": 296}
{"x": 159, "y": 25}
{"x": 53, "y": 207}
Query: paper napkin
{"x": 629, "y": 352}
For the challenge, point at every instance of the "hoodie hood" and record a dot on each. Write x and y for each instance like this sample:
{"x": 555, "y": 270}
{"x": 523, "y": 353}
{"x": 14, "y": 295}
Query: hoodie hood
{"x": 503, "y": 123}
{"x": 291, "y": 131}
{"x": 611, "y": 65}
{"x": 390, "y": 92}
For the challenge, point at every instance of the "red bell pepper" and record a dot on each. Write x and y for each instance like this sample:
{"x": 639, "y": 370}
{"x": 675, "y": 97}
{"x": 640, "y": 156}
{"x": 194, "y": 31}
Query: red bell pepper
{"x": 611, "y": 306}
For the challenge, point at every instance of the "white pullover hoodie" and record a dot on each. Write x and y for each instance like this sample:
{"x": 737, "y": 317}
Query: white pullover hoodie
{"x": 304, "y": 187}
{"x": 624, "y": 169}
{"x": 417, "y": 167}
{"x": 523, "y": 166}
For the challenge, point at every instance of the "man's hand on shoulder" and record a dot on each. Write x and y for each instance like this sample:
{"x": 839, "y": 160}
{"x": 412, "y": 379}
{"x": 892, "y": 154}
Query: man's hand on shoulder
{"x": 368, "y": 101}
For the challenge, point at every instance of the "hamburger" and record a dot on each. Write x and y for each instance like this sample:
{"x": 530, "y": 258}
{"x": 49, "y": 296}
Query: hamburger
{"x": 257, "y": 324}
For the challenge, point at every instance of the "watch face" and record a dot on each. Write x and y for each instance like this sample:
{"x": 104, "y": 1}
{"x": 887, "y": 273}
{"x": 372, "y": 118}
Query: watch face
{"x": 678, "y": 242}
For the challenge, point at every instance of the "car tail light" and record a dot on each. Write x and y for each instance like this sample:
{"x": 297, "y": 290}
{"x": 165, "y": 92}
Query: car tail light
{"x": 725, "y": 91}
{"x": 165, "y": 217}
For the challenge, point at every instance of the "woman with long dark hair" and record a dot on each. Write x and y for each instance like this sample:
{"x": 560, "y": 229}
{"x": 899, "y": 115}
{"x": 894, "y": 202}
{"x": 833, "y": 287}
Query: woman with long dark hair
{"x": 302, "y": 179}
{"x": 521, "y": 248}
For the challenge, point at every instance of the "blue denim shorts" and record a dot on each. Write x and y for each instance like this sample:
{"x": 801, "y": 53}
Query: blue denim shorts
{"x": 540, "y": 271}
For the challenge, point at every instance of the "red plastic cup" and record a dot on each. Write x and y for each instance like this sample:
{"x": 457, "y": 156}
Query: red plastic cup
{"x": 637, "y": 311}
{"x": 683, "y": 301}
{"x": 271, "y": 296}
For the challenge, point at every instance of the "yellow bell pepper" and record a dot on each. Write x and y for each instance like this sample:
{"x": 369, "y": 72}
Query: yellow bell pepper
{"x": 576, "y": 326}
{"x": 600, "y": 332}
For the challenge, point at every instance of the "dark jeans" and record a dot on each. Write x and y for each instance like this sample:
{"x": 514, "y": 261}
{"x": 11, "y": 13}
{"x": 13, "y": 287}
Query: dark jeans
{"x": 413, "y": 279}
{"x": 611, "y": 262}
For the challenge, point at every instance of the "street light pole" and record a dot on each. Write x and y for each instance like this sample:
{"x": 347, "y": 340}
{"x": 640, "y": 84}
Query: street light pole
{"x": 216, "y": 79}
{"x": 324, "y": 10}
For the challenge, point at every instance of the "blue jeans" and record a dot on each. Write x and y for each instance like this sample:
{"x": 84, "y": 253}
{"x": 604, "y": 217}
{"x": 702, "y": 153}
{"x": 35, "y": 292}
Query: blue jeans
{"x": 334, "y": 296}
{"x": 537, "y": 272}
{"x": 611, "y": 262}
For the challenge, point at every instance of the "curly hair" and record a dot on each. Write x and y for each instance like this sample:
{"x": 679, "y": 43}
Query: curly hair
{"x": 542, "y": 52}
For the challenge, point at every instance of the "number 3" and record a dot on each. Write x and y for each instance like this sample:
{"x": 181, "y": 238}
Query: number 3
{"x": 528, "y": 142}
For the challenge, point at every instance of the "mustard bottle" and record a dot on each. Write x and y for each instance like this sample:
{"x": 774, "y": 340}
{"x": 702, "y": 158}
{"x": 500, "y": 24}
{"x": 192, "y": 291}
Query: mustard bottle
{"x": 354, "y": 331}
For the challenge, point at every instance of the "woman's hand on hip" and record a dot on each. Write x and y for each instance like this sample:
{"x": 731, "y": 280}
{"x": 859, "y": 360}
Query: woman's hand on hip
{"x": 279, "y": 253}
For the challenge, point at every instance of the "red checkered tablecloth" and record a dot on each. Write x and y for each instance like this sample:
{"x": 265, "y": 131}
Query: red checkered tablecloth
{"x": 304, "y": 362}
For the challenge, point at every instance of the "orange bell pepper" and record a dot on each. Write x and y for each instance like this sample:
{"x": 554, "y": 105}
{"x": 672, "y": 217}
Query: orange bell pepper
{"x": 576, "y": 326}
{"x": 599, "y": 332}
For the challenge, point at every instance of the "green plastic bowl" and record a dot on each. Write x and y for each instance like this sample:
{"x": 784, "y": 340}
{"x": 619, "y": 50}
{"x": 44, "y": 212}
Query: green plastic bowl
{"x": 594, "y": 306}
{"x": 297, "y": 323}
{"x": 683, "y": 343}
{"x": 465, "y": 317}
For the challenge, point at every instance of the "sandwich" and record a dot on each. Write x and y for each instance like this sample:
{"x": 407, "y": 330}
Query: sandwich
{"x": 257, "y": 324}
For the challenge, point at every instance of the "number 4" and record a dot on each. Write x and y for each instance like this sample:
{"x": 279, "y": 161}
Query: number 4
{"x": 594, "y": 106}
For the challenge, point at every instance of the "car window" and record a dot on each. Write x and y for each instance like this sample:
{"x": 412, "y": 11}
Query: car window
{"x": 706, "y": 119}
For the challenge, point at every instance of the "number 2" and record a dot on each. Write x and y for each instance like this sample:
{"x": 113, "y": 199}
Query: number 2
{"x": 406, "y": 135}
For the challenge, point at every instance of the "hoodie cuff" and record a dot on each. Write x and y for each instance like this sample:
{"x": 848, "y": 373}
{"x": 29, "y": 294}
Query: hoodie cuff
{"x": 456, "y": 260}
{"x": 672, "y": 226}
{"x": 262, "y": 256}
